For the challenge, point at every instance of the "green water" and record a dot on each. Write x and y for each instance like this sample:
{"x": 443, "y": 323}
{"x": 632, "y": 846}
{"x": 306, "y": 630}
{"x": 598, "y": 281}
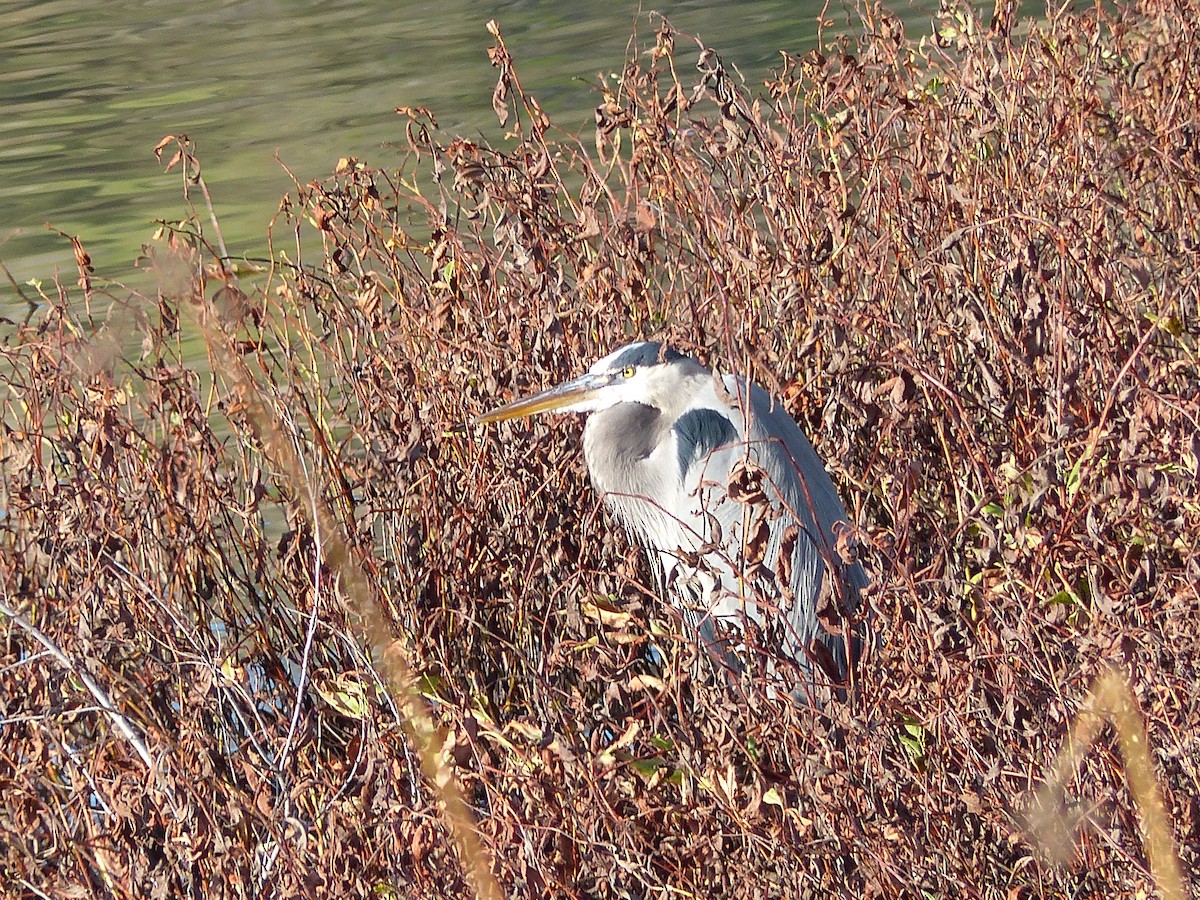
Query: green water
{"x": 88, "y": 88}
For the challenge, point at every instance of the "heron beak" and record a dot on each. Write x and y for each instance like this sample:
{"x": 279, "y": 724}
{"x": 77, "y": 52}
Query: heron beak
{"x": 569, "y": 393}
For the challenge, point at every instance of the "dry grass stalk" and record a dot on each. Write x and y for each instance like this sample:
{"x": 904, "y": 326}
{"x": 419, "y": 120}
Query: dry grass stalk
{"x": 1110, "y": 700}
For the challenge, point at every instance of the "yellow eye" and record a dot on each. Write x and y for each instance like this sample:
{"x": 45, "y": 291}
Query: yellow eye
{"x": 628, "y": 372}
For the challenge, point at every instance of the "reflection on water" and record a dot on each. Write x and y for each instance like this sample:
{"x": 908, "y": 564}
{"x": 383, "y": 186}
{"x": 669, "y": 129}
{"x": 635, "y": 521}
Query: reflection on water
{"x": 88, "y": 88}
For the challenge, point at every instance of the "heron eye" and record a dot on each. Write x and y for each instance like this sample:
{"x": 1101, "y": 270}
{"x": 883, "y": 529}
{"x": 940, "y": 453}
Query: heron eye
{"x": 628, "y": 372}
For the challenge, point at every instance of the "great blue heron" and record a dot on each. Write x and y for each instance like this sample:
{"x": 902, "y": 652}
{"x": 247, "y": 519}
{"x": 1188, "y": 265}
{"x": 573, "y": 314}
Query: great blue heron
{"x": 734, "y": 507}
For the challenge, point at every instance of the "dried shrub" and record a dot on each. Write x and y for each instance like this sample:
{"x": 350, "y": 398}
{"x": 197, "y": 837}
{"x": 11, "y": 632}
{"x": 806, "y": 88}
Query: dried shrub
{"x": 968, "y": 266}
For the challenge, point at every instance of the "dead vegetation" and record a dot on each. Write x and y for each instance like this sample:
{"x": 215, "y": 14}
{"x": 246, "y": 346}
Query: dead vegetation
{"x": 968, "y": 264}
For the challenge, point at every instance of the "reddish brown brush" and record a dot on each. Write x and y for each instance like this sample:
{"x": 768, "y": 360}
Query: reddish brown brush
{"x": 968, "y": 266}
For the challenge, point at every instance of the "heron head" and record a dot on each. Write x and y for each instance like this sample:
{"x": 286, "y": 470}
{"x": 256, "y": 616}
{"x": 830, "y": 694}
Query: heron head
{"x": 635, "y": 373}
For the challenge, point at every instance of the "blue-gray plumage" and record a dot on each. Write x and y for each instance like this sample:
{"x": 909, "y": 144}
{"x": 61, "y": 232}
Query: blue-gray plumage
{"x": 733, "y": 505}
{"x": 698, "y": 432}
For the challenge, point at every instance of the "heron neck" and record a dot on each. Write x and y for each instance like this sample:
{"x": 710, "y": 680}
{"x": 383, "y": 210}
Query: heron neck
{"x": 616, "y": 439}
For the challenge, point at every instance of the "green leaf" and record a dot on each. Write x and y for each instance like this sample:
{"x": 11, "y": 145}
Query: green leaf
{"x": 1062, "y": 598}
{"x": 647, "y": 767}
{"x": 1073, "y": 478}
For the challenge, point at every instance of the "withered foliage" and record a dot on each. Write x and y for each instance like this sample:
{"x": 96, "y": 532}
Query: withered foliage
{"x": 968, "y": 266}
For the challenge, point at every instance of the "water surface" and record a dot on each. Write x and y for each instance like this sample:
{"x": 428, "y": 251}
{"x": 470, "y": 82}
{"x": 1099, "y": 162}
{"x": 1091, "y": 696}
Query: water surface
{"x": 88, "y": 88}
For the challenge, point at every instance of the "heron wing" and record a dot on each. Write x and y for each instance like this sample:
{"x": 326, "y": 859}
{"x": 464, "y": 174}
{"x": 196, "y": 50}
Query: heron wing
{"x": 700, "y": 432}
{"x": 777, "y": 532}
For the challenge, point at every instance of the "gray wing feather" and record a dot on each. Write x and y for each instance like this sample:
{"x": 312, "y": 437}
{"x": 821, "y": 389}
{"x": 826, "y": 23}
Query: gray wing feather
{"x": 699, "y": 432}
{"x": 799, "y": 492}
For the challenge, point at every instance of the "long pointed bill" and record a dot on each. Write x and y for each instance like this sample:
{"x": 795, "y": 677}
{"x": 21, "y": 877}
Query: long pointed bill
{"x": 567, "y": 394}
